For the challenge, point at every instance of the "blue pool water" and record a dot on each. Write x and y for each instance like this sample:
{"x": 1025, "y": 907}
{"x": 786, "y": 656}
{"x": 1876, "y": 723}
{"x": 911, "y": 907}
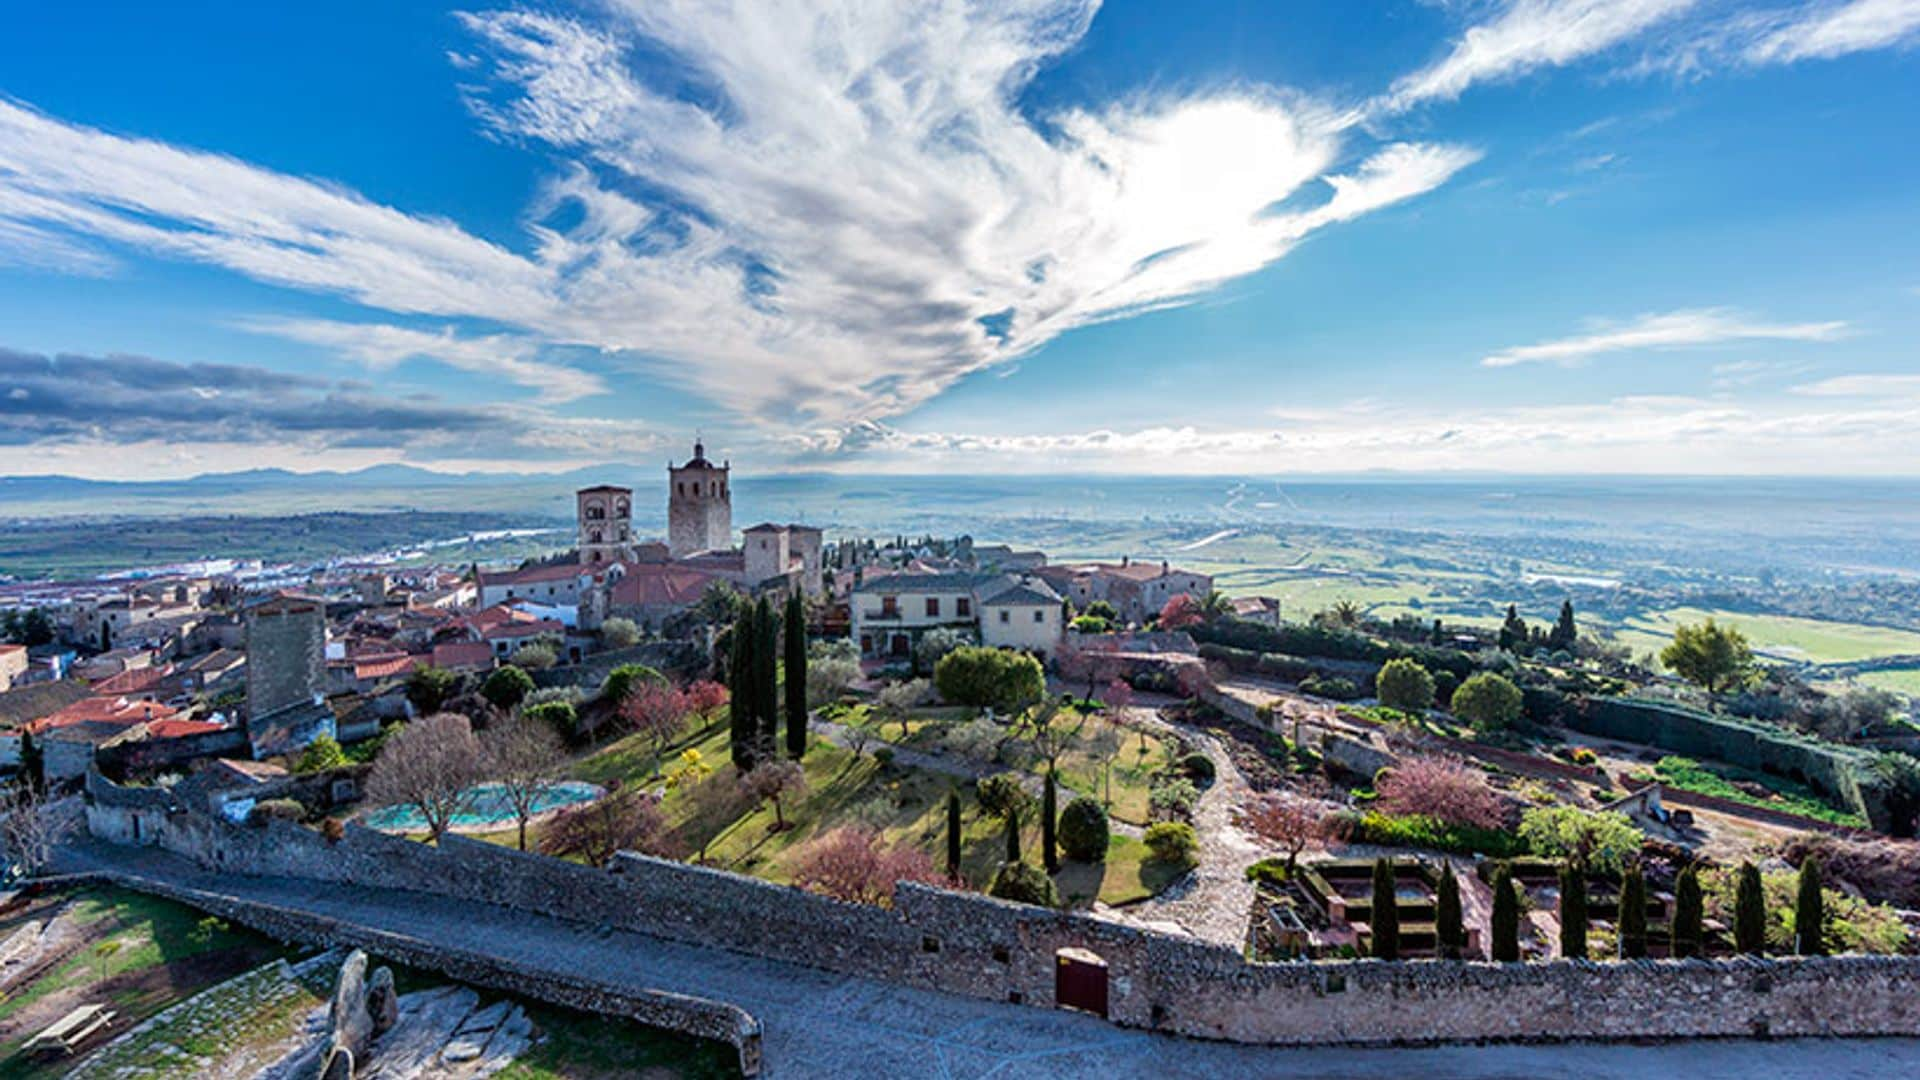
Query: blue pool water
{"x": 486, "y": 804}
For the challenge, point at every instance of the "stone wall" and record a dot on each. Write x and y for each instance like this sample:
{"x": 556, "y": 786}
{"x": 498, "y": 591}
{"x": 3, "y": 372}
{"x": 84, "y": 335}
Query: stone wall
{"x": 974, "y": 945}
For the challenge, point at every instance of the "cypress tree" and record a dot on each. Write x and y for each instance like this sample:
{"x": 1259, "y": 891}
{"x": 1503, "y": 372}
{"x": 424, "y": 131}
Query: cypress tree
{"x": 1013, "y": 836}
{"x": 1049, "y": 813}
{"x": 1573, "y": 912}
{"x": 796, "y": 676}
{"x": 766, "y": 675}
{"x": 1689, "y": 911}
{"x": 1505, "y": 924}
{"x": 1749, "y": 912}
{"x": 953, "y": 834}
{"x": 1386, "y": 912}
{"x": 1810, "y": 912}
{"x": 742, "y": 727}
{"x": 1449, "y": 929}
{"x": 1633, "y": 914}
{"x": 1565, "y": 634}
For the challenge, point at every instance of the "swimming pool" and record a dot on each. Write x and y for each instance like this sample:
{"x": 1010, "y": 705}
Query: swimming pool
{"x": 486, "y": 804}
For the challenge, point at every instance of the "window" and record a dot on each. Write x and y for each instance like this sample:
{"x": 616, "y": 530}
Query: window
{"x": 963, "y": 607}
{"x": 681, "y": 487}
{"x": 1006, "y": 616}
{"x": 1039, "y": 614}
{"x": 933, "y": 607}
{"x": 889, "y": 606}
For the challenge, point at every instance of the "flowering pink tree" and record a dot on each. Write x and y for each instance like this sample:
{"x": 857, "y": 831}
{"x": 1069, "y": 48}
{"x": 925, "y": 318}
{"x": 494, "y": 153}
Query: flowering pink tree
{"x": 1286, "y": 821}
{"x": 853, "y": 863}
{"x": 1180, "y": 612}
{"x": 705, "y": 697}
{"x": 1442, "y": 788}
{"x": 657, "y": 712}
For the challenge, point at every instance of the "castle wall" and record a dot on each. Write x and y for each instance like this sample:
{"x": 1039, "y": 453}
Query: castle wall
{"x": 977, "y": 946}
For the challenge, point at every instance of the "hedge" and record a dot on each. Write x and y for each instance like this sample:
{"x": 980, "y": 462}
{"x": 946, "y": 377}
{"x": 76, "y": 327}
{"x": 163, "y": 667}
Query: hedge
{"x": 1841, "y": 775}
{"x": 1306, "y": 640}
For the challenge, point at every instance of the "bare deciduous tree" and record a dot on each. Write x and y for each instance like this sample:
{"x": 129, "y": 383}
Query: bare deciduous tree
{"x": 28, "y": 828}
{"x": 1288, "y": 821}
{"x": 521, "y": 756}
{"x": 773, "y": 781}
{"x": 428, "y": 765}
{"x": 624, "y": 819}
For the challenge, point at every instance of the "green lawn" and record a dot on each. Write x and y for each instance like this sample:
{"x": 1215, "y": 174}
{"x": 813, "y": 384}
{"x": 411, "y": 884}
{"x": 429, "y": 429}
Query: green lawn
{"x": 582, "y": 1046}
{"x": 1899, "y": 680}
{"x": 1779, "y": 636}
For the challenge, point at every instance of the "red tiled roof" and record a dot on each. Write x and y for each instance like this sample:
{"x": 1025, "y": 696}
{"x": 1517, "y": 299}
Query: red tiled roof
{"x": 559, "y": 572}
{"x": 103, "y": 710}
{"x": 523, "y": 629}
{"x": 386, "y": 667}
{"x": 9, "y": 648}
{"x": 647, "y": 586}
{"x": 132, "y": 681}
{"x": 462, "y": 654}
{"x": 174, "y": 729}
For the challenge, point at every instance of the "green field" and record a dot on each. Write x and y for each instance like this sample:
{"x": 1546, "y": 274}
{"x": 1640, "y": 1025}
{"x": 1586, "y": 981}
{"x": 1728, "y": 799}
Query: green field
{"x": 1779, "y": 637}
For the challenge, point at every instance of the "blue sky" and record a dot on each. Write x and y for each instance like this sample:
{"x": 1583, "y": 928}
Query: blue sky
{"x": 1518, "y": 235}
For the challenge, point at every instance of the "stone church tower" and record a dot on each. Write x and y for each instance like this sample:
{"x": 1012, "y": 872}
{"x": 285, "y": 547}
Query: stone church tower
{"x": 699, "y": 506}
{"x": 605, "y": 514}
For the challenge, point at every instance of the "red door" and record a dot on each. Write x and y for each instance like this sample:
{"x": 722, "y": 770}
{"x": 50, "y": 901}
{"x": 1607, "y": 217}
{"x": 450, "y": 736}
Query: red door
{"x": 1080, "y": 981}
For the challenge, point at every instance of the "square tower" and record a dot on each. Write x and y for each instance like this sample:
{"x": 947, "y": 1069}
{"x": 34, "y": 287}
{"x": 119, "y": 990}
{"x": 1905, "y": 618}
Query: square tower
{"x": 699, "y": 506}
{"x": 606, "y": 523}
{"x": 286, "y": 653}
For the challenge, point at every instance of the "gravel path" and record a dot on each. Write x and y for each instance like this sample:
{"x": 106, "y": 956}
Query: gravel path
{"x": 820, "y": 1024}
{"x": 1214, "y": 900}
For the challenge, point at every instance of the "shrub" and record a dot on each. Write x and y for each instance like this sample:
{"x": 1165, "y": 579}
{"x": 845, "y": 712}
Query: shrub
{"x": 1405, "y": 685}
{"x": 1025, "y": 884}
{"x": 1445, "y": 789}
{"x": 621, "y": 680}
{"x": 1386, "y": 830}
{"x": 321, "y": 754}
{"x": 1489, "y": 702}
{"x": 1001, "y": 795}
{"x": 535, "y": 656}
{"x": 429, "y": 687}
{"x": 1173, "y": 798}
{"x": 1337, "y": 689}
{"x": 619, "y": 633}
{"x": 852, "y": 863}
{"x": 559, "y": 715}
{"x": 1605, "y": 841}
{"x": 506, "y": 687}
{"x": 1083, "y": 830}
{"x": 277, "y": 809}
{"x": 1198, "y": 768}
{"x": 333, "y": 830}
{"x": 989, "y": 678}
{"x": 1172, "y": 842}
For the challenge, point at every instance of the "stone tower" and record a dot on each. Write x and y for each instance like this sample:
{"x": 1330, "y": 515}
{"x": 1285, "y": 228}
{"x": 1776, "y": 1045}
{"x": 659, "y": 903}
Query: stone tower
{"x": 606, "y": 523}
{"x": 699, "y": 506}
{"x": 286, "y": 654}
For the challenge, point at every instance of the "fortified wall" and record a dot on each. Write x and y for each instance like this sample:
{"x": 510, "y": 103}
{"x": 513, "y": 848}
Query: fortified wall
{"x": 967, "y": 944}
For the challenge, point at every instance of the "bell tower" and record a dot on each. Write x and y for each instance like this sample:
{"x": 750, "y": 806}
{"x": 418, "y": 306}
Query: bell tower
{"x": 699, "y": 505}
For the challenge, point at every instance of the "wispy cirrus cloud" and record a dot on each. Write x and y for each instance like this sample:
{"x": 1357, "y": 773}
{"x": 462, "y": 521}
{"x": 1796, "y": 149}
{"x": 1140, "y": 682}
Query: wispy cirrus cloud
{"x": 1675, "y": 329}
{"x": 831, "y": 214}
{"x": 1525, "y": 36}
{"x": 1863, "y": 386}
{"x": 382, "y": 346}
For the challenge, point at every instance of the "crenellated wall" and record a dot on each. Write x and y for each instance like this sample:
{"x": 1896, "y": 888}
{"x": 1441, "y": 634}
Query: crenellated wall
{"x": 977, "y": 946}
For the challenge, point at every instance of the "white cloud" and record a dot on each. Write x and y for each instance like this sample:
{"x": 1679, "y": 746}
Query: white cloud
{"x": 1525, "y": 36}
{"x": 1864, "y": 386}
{"x": 1644, "y": 434}
{"x": 381, "y": 346}
{"x": 1833, "y": 29}
{"x": 1700, "y": 326}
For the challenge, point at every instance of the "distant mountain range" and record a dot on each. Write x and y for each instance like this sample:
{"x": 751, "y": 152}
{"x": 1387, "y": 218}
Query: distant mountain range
{"x": 55, "y": 487}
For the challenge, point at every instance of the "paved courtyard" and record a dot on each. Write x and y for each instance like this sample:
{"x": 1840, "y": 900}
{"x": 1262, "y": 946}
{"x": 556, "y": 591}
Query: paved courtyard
{"x": 820, "y": 1024}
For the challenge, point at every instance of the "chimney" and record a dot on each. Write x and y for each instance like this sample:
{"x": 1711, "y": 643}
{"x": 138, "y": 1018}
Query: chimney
{"x": 1125, "y": 560}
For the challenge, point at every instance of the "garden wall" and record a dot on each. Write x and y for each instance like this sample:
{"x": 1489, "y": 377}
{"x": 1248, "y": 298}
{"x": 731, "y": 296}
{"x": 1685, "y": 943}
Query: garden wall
{"x": 968, "y": 944}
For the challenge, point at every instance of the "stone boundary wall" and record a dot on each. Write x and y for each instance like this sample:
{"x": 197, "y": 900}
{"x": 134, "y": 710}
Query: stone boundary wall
{"x": 973, "y": 945}
{"x": 700, "y": 1017}
{"x": 1697, "y": 800}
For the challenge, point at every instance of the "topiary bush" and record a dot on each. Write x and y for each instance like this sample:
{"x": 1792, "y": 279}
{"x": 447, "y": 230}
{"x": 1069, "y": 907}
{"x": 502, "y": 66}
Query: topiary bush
{"x": 559, "y": 715}
{"x": 621, "y": 681}
{"x": 989, "y": 678}
{"x": 1025, "y": 884}
{"x": 1083, "y": 830}
{"x": 1172, "y": 842}
{"x": 1172, "y": 798}
{"x": 506, "y": 687}
{"x": 1198, "y": 767}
